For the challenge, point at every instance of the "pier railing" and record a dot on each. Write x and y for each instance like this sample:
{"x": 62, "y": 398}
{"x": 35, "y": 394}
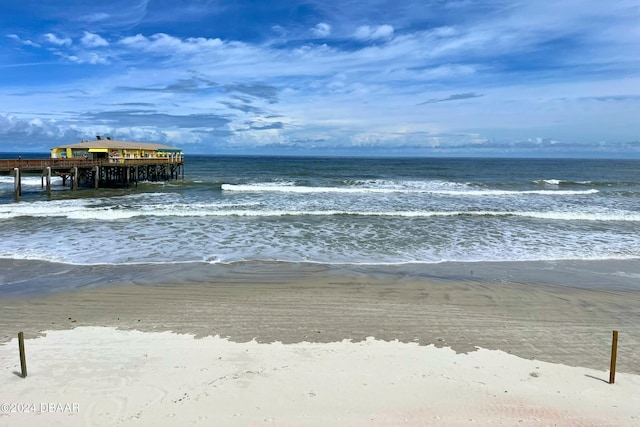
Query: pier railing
{"x": 7, "y": 165}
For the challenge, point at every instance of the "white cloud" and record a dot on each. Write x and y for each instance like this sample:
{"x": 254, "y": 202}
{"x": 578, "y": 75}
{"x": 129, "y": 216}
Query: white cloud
{"x": 168, "y": 45}
{"x": 83, "y": 57}
{"x": 372, "y": 93}
{"x": 135, "y": 41}
{"x": 30, "y": 128}
{"x": 58, "y": 41}
{"x": 91, "y": 40}
{"x": 115, "y": 14}
{"x": 380, "y": 32}
{"x": 93, "y": 58}
{"x": 321, "y": 30}
{"x": 24, "y": 42}
{"x": 95, "y": 17}
{"x": 278, "y": 29}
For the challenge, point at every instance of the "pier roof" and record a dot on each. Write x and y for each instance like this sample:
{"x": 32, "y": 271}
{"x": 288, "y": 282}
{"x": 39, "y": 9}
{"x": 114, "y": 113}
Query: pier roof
{"x": 119, "y": 145}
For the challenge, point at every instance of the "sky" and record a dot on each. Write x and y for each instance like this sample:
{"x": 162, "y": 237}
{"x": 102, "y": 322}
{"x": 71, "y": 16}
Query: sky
{"x": 325, "y": 77}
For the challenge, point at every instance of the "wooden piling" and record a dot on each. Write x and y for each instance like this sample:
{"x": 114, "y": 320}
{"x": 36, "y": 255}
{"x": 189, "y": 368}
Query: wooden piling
{"x": 17, "y": 184}
{"x": 23, "y": 359}
{"x": 107, "y": 171}
{"x": 75, "y": 179}
{"x": 614, "y": 355}
{"x": 96, "y": 176}
{"x": 48, "y": 180}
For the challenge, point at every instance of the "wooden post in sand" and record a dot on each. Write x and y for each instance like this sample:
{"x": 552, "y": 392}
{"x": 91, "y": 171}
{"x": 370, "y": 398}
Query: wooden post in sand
{"x": 614, "y": 354}
{"x": 23, "y": 359}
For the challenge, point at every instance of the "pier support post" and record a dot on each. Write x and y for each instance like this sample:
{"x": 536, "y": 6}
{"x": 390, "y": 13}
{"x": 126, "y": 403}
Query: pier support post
{"x": 74, "y": 182}
{"x": 96, "y": 176}
{"x": 48, "y": 180}
{"x": 17, "y": 184}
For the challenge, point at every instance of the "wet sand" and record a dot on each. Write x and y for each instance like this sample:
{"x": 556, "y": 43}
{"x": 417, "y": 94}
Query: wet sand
{"x": 553, "y": 319}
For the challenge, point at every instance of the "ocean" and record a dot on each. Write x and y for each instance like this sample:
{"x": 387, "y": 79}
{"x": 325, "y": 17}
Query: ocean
{"x": 336, "y": 211}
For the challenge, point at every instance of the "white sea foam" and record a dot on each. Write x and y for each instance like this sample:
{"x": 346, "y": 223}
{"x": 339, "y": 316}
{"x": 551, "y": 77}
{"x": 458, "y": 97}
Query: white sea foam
{"x": 551, "y": 182}
{"x": 462, "y": 190}
{"x": 83, "y": 211}
{"x": 558, "y": 182}
{"x": 38, "y": 255}
{"x": 28, "y": 180}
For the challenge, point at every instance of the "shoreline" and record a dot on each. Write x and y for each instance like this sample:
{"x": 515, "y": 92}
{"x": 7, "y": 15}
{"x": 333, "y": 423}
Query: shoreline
{"x": 558, "y": 323}
{"x": 35, "y": 278}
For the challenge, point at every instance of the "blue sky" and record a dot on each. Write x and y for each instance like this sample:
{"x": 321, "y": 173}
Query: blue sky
{"x": 351, "y": 77}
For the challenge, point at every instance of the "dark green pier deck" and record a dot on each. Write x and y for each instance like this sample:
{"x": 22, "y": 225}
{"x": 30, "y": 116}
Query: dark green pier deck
{"x": 93, "y": 173}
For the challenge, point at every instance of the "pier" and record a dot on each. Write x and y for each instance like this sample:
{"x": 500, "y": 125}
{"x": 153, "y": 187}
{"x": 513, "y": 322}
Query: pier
{"x": 93, "y": 173}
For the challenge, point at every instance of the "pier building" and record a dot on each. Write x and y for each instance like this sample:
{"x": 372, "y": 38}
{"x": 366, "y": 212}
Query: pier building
{"x": 115, "y": 151}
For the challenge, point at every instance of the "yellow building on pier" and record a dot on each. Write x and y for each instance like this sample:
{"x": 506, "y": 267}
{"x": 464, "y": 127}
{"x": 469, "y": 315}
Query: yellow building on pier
{"x": 116, "y": 151}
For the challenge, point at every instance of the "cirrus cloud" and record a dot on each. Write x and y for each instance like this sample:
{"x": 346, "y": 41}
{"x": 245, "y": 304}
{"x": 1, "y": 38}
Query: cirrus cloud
{"x": 379, "y": 32}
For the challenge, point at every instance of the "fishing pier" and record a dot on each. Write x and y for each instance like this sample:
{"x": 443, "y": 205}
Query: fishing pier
{"x": 103, "y": 162}
{"x": 93, "y": 173}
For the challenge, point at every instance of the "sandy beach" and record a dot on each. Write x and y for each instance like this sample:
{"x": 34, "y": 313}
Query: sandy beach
{"x": 308, "y": 346}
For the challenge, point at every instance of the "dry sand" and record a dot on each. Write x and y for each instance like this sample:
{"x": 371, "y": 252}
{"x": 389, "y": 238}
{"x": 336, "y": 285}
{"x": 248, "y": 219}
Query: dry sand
{"x": 544, "y": 357}
{"x": 105, "y": 377}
